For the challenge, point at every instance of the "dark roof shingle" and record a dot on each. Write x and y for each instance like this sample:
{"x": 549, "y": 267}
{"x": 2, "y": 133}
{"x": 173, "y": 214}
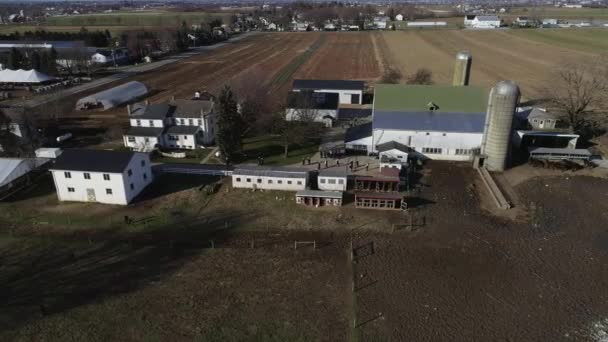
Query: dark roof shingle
{"x": 328, "y": 84}
{"x": 93, "y": 160}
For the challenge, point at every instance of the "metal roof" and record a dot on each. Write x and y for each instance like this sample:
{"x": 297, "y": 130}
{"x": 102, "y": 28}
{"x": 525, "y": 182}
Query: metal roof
{"x": 153, "y": 111}
{"x": 487, "y": 18}
{"x": 187, "y": 130}
{"x": 430, "y": 121}
{"x": 328, "y": 84}
{"x": 270, "y": 171}
{"x": 192, "y": 108}
{"x": 416, "y": 98}
{"x": 13, "y": 168}
{"x": 392, "y": 145}
{"x": 317, "y": 193}
{"x": 93, "y": 160}
{"x": 358, "y": 132}
{"x": 334, "y": 172}
{"x": 115, "y": 96}
{"x": 144, "y": 131}
{"x": 538, "y": 113}
{"x": 568, "y": 151}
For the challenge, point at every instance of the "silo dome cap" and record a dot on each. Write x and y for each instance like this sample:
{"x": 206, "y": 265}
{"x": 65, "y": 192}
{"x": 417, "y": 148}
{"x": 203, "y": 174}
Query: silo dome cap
{"x": 506, "y": 88}
{"x": 463, "y": 55}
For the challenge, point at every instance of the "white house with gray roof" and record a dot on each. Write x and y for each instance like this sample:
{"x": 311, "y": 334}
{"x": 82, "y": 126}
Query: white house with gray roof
{"x": 270, "y": 178}
{"x": 482, "y": 21}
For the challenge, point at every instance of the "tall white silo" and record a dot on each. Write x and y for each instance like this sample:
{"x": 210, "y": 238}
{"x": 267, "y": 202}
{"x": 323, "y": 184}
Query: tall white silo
{"x": 502, "y": 103}
{"x": 462, "y": 68}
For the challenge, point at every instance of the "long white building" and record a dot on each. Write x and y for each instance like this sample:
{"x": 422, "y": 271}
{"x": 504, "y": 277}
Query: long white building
{"x": 270, "y": 178}
{"x": 432, "y": 121}
{"x": 109, "y": 177}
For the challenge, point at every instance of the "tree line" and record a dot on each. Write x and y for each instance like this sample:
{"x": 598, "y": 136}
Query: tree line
{"x": 91, "y": 38}
{"x": 41, "y": 60}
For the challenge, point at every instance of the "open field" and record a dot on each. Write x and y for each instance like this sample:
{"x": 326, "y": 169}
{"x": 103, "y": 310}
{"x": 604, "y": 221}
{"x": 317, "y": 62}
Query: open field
{"x": 564, "y": 13}
{"x": 147, "y": 18}
{"x": 497, "y": 54}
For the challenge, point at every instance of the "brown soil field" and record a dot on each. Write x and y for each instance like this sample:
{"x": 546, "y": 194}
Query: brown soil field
{"x": 469, "y": 276}
{"x": 157, "y": 292}
{"x": 344, "y": 55}
{"x": 497, "y": 55}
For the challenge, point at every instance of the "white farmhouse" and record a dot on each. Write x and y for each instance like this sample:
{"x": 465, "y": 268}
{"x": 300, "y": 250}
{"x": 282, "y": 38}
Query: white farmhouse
{"x": 399, "y": 17}
{"x": 332, "y": 180}
{"x": 180, "y": 124}
{"x": 350, "y": 92}
{"x": 111, "y": 57}
{"x": 482, "y": 21}
{"x": 109, "y": 177}
{"x": 269, "y": 178}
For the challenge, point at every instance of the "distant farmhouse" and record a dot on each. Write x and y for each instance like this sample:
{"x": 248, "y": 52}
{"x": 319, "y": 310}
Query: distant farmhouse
{"x": 482, "y": 21}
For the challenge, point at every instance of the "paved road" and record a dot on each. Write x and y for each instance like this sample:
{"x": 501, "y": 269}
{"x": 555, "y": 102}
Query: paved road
{"x": 129, "y": 72}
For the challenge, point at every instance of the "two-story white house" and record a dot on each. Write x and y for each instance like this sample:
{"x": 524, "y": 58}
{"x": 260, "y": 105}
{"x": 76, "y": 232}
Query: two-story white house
{"x": 269, "y": 178}
{"x": 109, "y": 177}
{"x": 148, "y": 122}
{"x": 180, "y": 124}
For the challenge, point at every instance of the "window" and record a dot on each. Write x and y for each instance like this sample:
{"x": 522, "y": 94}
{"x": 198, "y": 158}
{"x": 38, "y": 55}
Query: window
{"x": 143, "y": 163}
{"x": 138, "y": 122}
{"x": 191, "y": 122}
{"x": 270, "y": 181}
{"x": 427, "y": 133}
{"x": 146, "y": 140}
{"x": 200, "y": 122}
{"x": 130, "y": 172}
{"x": 108, "y": 191}
{"x": 431, "y": 150}
{"x": 463, "y": 152}
{"x": 87, "y": 175}
{"x": 280, "y": 181}
{"x": 322, "y": 181}
{"x": 340, "y": 181}
{"x": 182, "y": 121}
{"x": 331, "y": 181}
{"x": 289, "y": 182}
{"x": 299, "y": 182}
{"x": 238, "y": 179}
{"x": 185, "y": 137}
{"x": 259, "y": 180}
{"x": 145, "y": 176}
{"x": 67, "y": 174}
{"x": 71, "y": 190}
{"x": 132, "y": 186}
{"x": 151, "y": 123}
{"x": 106, "y": 176}
{"x": 444, "y": 134}
{"x": 248, "y": 180}
{"x": 131, "y": 139}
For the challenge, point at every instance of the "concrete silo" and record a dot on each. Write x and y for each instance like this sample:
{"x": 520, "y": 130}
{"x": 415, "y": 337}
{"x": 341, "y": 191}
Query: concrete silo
{"x": 462, "y": 69}
{"x": 502, "y": 103}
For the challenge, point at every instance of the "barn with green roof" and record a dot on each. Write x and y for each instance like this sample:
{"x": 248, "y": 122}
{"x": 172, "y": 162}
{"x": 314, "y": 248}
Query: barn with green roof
{"x": 432, "y": 121}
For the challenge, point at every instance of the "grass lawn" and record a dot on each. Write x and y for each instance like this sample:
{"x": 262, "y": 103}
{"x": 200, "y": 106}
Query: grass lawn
{"x": 192, "y": 157}
{"x": 271, "y": 149}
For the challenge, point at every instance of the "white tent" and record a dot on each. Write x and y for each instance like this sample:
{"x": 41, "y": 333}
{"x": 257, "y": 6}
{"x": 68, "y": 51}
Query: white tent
{"x": 113, "y": 97}
{"x": 23, "y": 76}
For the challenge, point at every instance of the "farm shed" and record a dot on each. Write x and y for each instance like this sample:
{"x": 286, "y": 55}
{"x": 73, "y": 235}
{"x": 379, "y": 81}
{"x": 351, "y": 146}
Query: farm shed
{"x": 113, "y": 97}
{"x": 350, "y": 92}
{"x": 319, "y": 198}
{"x": 332, "y": 179}
{"x": 269, "y": 178}
{"x": 375, "y": 200}
{"x": 559, "y": 153}
{"x": 14, "y": 173}
{"x": 24, "y": 77}
{"x": 381, "y": 183}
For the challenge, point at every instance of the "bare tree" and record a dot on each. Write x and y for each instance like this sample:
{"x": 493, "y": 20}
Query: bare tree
{"x": 578, "y": 90}
{"x": 296, "y": 128}
{"x": 391, "y": 76}
{"x": 421, "y": 76}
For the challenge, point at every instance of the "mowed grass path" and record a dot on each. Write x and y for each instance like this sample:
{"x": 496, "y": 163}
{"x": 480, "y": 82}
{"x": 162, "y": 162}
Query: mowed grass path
{"x": 593, "y": 40}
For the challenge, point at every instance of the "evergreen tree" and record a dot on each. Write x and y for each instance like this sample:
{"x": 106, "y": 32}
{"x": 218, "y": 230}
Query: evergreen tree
{"x": 15, "y": 59}
{"x": 52, "y": 62}
{"x": 228, "y": 124}
{"x": 35, "y": 60}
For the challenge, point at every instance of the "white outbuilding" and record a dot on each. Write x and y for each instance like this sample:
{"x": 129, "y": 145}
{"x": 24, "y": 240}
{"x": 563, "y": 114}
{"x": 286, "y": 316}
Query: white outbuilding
{"x": 110, "y": 177}
{"x": 113, "y": 97}
{"x": 332, "y": 179}
{"x": 270, "y": 178}
{"x": 399, "y": 17}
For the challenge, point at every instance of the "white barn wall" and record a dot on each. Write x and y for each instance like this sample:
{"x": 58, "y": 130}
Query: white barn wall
{"x": 418, "y": 140}
{"x": 140, "y": 142}
{"x": 331, "y": 187}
